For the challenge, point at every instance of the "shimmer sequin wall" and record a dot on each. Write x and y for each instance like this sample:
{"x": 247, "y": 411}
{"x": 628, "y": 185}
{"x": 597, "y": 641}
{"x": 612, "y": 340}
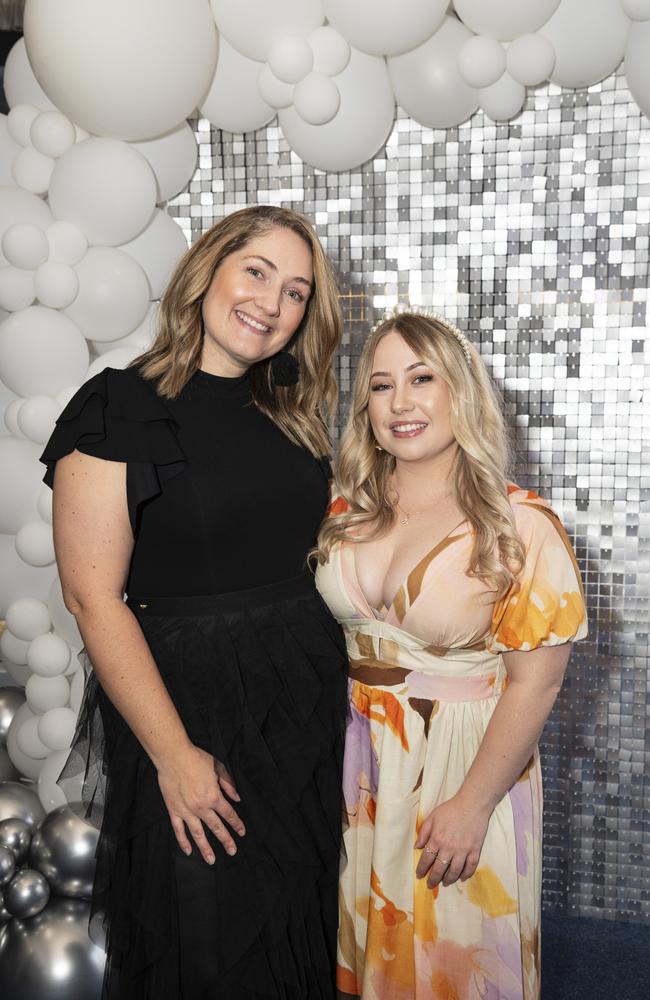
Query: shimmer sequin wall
{"x": 533, "y": 238}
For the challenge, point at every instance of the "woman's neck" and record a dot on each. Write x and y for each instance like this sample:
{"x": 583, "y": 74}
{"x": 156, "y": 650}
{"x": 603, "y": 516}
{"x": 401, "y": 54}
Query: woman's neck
{"x": 425, "y": 481}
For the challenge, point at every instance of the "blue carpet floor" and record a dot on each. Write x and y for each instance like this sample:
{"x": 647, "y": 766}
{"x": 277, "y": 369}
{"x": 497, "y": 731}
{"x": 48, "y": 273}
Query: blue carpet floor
{"x": 585, "y": 959}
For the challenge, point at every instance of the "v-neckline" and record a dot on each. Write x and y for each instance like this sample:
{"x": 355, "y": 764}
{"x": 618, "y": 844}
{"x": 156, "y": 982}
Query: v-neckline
{"x": 418, "y": 571}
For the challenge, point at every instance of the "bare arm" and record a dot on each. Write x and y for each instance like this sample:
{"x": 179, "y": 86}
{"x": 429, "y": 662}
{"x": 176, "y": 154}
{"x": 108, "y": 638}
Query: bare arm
{"x": 454, "y": 832}
{"x": 93, "y": 542}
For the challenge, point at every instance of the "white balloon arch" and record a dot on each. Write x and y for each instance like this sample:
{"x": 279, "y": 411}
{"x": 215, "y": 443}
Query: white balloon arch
{"x": 96, "y": 142}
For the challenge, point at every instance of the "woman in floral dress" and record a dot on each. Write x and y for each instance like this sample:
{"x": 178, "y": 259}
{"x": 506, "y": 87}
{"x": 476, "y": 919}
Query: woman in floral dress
{"x": 459, "y": 596}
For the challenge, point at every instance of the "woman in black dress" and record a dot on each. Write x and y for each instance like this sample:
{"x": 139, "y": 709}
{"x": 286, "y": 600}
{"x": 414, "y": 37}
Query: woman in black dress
{"x": 211, "y": 730}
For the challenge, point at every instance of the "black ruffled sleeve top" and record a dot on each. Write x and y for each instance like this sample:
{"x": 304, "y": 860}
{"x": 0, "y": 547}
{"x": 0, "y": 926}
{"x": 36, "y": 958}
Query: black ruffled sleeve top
{"x": 219, "y": 499}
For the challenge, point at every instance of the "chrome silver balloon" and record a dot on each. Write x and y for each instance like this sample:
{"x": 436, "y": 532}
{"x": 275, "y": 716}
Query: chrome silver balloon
{"x": 5, "y": 915}
{"x": 8, "y": 770}
{"x": 63, "y": 850}
{"x": 27, "y": 894}
{"x": 11, "y": 698}
{"x": 7, "y": 865}
{"x": 51, "y": 956}
{"x": 20, "y": 801}
{"x": 16, "y": 834}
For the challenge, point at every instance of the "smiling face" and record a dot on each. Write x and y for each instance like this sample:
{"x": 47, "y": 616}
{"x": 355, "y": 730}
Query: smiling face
{"x": 256, "y": 301}
{"x": 408, "y": 405}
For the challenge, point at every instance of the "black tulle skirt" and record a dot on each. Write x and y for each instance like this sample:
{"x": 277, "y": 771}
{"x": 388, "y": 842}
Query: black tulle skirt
{"x": 259, "y": 680}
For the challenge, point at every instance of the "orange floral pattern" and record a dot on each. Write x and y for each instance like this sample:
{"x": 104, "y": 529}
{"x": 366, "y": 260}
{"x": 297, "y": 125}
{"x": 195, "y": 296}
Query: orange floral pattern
{"x": 425, "y": 677}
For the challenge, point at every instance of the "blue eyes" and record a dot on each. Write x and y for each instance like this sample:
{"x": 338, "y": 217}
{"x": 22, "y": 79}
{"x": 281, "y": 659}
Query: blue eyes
{"x": 293, "y": 293}
{"x": 418, "y": 380}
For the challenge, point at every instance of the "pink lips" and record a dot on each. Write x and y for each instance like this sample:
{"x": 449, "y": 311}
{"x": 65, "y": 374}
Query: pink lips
{"x": 247, "y": 326}
{"x": 396, "y": 432}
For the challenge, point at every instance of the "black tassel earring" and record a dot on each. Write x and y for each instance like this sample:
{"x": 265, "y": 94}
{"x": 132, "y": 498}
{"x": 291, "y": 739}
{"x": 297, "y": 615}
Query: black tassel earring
{"x": 285, "y": 369}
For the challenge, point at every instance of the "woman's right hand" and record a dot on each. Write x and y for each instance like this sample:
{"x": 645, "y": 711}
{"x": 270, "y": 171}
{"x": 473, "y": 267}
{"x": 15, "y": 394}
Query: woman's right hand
{"x": 192, "y": 785}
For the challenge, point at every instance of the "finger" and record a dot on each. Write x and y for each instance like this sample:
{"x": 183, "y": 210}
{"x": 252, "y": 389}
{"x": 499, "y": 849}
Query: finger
{"x": 438, "y": 869}
{"x": 179, "y": 831}
{"x": 198, "y": 835}
{"x": 427, "y": 858}
{"x": 423, "y": 835}
{"x": 471, "y": 864}
{"x": 453, "y": 872}
{"x": 214, "y": 824}
{"x": 223, "y": 808}
{"x": 226, "y": 781}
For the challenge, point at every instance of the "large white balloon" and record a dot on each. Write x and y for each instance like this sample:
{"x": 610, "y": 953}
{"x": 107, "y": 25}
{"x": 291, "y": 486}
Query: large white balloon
{"x": 504, "y": 99}
{"x": 158, "y": 250}
{"x": 172, "y": 157}
{"x": 637, "y": 65}
{"x": 28, "y": 766}
{"x": 142, "y": 337}
{"x": 21, "y": 206}
{"x": 17, "y": 288}
{"x": 505, "y": 19}
{"x": 106, "y": 188}
{"x": 20, "y": 84}
{"x": 35, "y": 544}
{"x": 67, "y": 243}
{"x": 25, "y": 245}
{"x": 44, "y": 504}
{"x": 530, "y": 59}
{"x": 132, "y": 71}
{"x": 589, "y": 39}
{"x": 8, "y": 150}
{"x": 113, "y": 295}
{"x": 19, "y": 482}
{"x": 481, "y": 61}
{"x": 235, "y": 74}
{"x": 251, "y": 26}
{"x": 27, "y": 617}
{"x": 62, "y": 621}
{"x": 386, "y": 27}
{"x": 119, "y": 358}
{"x": 427, "y": 81}
{"x": 56, "y": 285}
{"x": 17, "y": 579}
{"x": 37, "y": 416}
{"x": 359, "y": 128}
{"x": 52, "y": 134}
{"x": 46, "y": 693}
{"x": 41, "y": 352}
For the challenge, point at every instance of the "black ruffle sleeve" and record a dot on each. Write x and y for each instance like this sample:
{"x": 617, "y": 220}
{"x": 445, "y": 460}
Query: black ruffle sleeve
{"x": 118, "y": 416}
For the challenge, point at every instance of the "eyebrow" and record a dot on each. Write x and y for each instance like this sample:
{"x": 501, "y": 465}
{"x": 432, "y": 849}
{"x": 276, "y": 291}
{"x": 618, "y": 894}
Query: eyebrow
{"x": 269, "y": 263}
{"x": 416, "y": 364}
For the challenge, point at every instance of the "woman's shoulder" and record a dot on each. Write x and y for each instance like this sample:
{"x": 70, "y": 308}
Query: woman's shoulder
{"x": 117, "y": 388}
{"x": 533, "y": 515}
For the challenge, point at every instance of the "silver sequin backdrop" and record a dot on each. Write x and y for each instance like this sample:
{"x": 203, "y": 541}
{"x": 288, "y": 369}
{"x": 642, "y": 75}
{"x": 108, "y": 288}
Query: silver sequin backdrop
{"x": 533, "y": 237}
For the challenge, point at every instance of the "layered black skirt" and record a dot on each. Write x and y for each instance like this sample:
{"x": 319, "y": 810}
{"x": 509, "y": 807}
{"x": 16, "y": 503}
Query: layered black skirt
{"x": 259, "y": 680}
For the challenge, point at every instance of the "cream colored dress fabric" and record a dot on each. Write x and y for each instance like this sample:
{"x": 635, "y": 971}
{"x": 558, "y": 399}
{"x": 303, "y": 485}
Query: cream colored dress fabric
{"x": 425, "y": 677}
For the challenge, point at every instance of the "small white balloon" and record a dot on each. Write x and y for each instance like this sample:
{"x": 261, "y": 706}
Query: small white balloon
{"x": 28, "y": 766}
{"x": 48, "y": 655}
{"x": 32, "y": 171}
{"x": 273, "y": 91}
{"x": 589, "y": 38}
{"x": 53, "y": 793}
{"x": 35, "y": 544}
{"x": 530, "y": 59}
{"x": 172, "y": 157}
{"x": 77, "y": 687}
{"x": 235, "y": 74}
{"x": 481, "y": 61}
{"x": 331, "y": 50}
{"x": 252, "y": 26}
{"x": 25, "y": 245}
{"x": 291, "y": 58}
{"x": 46, "y": 693}
{"x": 27, "y": 618}
{"x": 316, "y": 99}
{"x": 16, "y": 650}
{"x": 386, "y": 27}
{"x": 118, "y": 358}
{"x": 29, "y": 742}
{"x": 21, "y": 206}
{"x": 62, "y": 621}
{"x": 17, "y": 579}
{"x": 41, "y": 352}
{"x": 52, "y": 133}
{"x": 142, "y": 337}
{"x": 18, "y": 673}
{"x": 505, "y": 19}
{"x": 504, "y": 99}
{"x": 637, "y": 66}
{"x": 19, "y": 123}
{"x": 17, "y": 490}
{"x": 20, "y": 84}
{"x": 113, "y": 295}
{"x": 56, "y": 284}
{"x": 637, "y": 10}
{"x": 8, "y": 150}
{"x": 37, "y": 417}
{"x": 17, "y": 288}
{"x": 106, "y": 188}
{"x": 158, "y": 250}
{"x": 44, "y": 504}
{"x": 56, "y": 727}
{"x": 11, "y": 413}
{"x": 68, "y": 245}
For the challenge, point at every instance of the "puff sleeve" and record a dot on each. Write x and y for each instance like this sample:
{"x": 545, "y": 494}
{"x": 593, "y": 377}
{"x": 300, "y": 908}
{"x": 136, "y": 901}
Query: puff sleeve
{"x": 118, "y": 416}
{"x": 545, "y": 606}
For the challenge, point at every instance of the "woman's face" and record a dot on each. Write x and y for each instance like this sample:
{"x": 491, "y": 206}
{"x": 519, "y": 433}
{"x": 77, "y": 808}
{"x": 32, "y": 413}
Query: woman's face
{"x": 408, "y": 405}
{"x": 256, "y": 301}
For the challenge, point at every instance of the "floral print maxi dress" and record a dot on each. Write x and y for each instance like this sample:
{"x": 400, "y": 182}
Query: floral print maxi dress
{"x": 425, "y": 676}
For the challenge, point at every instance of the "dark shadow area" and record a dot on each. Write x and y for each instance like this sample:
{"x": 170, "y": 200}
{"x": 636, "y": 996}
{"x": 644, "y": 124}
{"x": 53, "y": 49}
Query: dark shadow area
{"x": 7, "y": 41}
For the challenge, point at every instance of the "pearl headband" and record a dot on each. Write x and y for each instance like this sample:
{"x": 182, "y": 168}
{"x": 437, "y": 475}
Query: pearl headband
{"x": 429, "y": 314}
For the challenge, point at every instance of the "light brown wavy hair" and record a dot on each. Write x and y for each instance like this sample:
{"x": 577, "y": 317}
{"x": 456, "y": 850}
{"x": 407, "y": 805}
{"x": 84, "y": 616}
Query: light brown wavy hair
{"x": 301, "y": 411}
{"x": 363, "y": 474}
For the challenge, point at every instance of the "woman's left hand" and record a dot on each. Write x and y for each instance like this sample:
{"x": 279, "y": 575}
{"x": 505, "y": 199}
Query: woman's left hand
{"x": 451, "y": 838}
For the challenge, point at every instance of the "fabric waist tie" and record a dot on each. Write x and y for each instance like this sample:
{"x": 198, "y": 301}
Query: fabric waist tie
{"x": 235, "y": 600}
{"x": 418, "y": 684}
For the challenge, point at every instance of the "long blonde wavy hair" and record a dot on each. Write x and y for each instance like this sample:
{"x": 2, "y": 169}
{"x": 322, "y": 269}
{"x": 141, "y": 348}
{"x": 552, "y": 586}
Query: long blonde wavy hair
{"x": 301, "y": 411}
{"x": 363, "y": 474}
